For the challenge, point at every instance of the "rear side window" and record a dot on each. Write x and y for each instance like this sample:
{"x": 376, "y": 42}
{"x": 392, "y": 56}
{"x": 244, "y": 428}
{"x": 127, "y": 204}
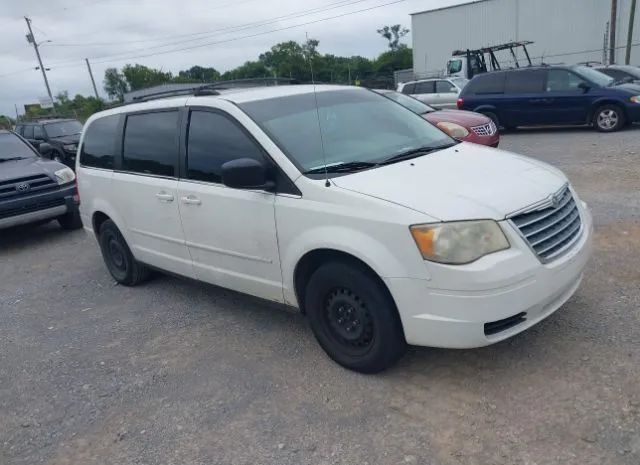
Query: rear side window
{"x": 489, "y": 83}
{"x": 28, "y": 132}
{"x": 213, "y": 140}
{"x": 408, "y": 88}
{"x": 424, "y": 87}
{"x": 522, "y": 82}
{"x": 150, "y": 143}
{"x": 99, "y": 147}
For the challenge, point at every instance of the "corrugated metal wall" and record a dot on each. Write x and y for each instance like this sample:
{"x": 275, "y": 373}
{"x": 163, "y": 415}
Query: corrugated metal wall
{"x": 559, "y": 28}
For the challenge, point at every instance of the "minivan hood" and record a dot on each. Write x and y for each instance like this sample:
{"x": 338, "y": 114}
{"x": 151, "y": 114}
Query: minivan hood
{"x": 466, "y": 181}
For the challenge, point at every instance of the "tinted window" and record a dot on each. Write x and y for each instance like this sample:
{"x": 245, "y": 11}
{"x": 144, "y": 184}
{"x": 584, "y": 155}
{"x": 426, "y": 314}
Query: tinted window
{"x": 98, "y": 148}
{"x": 561, "y": 80}
{"x": 424, "y": 88}
{"x": 150, "y": 143}
{"x": 616, "y": 74}
{"x": 408, "y": 88}
{"x": 214, "y": 140}
{"x": 37, "y": 132}
{"x": 28, "y": 132}
{"x": 11, "y": 146}
{"x": 64, "y": 128}
{"x": 489, "y": 83}
{"x": 521, "y": 82}
{"x": 444, "y": 87}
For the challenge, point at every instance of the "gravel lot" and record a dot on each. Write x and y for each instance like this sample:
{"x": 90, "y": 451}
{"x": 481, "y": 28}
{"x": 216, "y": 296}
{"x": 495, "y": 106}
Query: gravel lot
{"x": 178, "y": 372}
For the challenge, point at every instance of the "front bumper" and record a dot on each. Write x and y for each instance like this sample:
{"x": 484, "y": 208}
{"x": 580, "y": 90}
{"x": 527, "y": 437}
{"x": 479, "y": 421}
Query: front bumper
{"x": 452, "y": 309}
{"x": 633, "y": 112}
{"x": 37, "y": 207}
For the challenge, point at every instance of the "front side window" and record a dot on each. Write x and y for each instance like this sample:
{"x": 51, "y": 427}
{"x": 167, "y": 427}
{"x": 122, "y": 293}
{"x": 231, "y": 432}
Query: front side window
{"x": 98, "y": 148}
{"x": 37, "y": 133}
{"x": 12, "y": 147}
{"x": 424, "y": 88}
{"x": 357, "y": 126}
{"x": 213, "y": 140}
{"x": 28, "y": 132}
{"x": 150, "y": 143}
{"x": 522, "y": 82}
{"x": 445, "y": 87}
{"x": 561, "y": 80}
{"x": 64, "y": 128}
{"x": 454, "y": 66}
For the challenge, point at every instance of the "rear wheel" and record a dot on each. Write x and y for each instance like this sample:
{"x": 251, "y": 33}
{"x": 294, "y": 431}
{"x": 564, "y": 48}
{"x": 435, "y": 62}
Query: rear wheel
{"x": 608, "y": 118}
{"x": 120, "y": 262}
{"x": 493, "y": 117}
{"x": 353, "y": 317}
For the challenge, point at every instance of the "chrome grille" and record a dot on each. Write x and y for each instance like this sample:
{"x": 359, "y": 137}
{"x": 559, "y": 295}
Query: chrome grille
{"x": 488, "y": 129}
{"x": 37, "y": 183}
{"x": 552, "y": 229}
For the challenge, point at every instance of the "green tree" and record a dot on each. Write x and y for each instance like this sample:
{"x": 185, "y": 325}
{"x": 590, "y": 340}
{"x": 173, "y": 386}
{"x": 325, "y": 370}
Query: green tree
{"x": 140, "y": 76}
{"x": 6, "y": 122}
{"x": 115, "y": 84}
{"x": 250, "y": 69}
{"x": 393, "y": 34}
{"x": 198, "y": 74}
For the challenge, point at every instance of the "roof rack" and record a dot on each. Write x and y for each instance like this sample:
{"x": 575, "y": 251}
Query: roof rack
{"x": 212, "y": 89}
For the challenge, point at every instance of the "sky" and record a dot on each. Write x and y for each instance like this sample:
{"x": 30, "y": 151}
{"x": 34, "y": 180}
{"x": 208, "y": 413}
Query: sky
{"x": 219, "y": 33}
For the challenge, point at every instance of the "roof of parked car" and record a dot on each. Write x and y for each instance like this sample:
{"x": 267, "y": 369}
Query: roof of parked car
{"x": 47, "y": 121}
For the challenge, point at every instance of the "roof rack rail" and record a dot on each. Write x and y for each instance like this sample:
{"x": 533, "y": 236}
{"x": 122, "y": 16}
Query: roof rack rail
{"x": 210, "y": 89}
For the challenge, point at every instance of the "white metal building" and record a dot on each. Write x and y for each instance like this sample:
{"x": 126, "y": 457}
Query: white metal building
{"x": 564, "y": 31}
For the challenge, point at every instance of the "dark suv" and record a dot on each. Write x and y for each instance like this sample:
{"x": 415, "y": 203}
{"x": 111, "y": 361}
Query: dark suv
{"x": 33, "y": 189}
{"x": 59, "y": 138}
{"x": 550, "y": 95}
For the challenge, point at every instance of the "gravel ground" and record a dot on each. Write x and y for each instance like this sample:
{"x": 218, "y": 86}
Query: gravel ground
{"x": 178, "y": 372}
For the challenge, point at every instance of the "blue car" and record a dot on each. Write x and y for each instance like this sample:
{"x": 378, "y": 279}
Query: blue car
{"x": 550, "y": 95}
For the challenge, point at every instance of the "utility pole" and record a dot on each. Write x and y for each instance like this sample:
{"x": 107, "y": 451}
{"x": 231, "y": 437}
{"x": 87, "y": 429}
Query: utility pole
{"x": 612, "y": 32}
{"x": 32, "y": 40}
{"x": 17, "y": 115}
{"x": 632, "y": 16}
{"x": 95, "y": 89}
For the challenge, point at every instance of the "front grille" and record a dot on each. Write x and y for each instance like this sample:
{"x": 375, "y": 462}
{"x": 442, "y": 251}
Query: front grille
{"x": 551, "y": 230}
{"x": 34, "y": 206}
{"x": 11, "y": 188}
{"x": 488, "y": 129}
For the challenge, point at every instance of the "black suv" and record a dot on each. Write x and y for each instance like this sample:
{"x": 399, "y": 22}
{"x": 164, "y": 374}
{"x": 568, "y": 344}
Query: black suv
{"x": 33, "y": 189}
{"x": 56, "y": 139}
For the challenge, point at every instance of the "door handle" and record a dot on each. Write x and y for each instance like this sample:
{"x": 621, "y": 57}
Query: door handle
{"x": 164, "y": 197}
{"x": 191, "y": 200}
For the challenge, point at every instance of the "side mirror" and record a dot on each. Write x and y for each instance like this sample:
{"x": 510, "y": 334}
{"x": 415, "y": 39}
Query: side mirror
{"x": 45, "y": 149}
{"x": 584, "y": 86}
{"x": 246, "y": 173}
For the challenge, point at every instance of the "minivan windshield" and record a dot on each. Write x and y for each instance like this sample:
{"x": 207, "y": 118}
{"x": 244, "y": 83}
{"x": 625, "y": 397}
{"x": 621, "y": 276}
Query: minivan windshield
{"x": 63, "y": 128}
{"x": 359, "y": 128}
{"x": 13, "y": 148}
{"x": 594, "y": 76}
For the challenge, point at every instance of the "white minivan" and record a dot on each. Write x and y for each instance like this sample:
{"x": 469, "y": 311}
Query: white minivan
{"x": 379, "y": 227}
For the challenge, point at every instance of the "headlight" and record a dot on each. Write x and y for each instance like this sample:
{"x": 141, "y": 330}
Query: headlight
{"x": 458, "y": 243}
{"x": 70, "y": 147}
{"x": 454, "y": 130}
{"x": 65, "y": 175}
{"x": 635, "y": 99}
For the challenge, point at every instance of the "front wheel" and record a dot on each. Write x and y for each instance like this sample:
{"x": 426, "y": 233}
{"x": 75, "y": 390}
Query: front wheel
{"x": 354, "y": 318}
{"x": 608, "y": 118}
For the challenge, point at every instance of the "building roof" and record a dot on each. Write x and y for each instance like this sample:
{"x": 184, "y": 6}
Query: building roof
{"x": 466, "y": 3}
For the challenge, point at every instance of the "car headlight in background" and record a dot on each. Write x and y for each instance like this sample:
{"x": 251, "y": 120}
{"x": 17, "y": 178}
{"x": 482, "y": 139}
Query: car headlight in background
{"x": 454, "y": 130}
{"x": 461, "y": 242}
{"x": 65, "y": 176}
{"x": 635, "y": 99}
{"x": 70, "y": 147}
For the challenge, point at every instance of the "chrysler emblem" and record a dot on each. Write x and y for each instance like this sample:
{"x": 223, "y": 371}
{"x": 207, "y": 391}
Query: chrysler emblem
{"x": 23, "y": 187}
{"x": 556, "y": 200}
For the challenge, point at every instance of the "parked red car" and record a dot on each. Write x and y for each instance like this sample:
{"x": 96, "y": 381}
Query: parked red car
{"x": 462, "y": 125}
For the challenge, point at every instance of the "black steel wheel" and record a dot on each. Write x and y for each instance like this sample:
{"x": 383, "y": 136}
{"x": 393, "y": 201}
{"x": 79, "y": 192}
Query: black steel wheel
{"x": 354, "y": 317}
{"x": 118, "y": 257}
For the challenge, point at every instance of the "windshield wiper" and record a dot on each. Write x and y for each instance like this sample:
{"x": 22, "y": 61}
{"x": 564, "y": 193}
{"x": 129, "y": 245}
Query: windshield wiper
{"x": 346, "y": 167}
{"x": 414, "y": 153}
{"x": 12, "y": 158}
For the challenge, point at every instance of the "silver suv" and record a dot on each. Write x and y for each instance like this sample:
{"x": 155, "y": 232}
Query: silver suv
{"x": 437, "y": 92}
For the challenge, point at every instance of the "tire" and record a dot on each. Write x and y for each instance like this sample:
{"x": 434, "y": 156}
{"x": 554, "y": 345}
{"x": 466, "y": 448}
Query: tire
{"x": 354, "y": 318}
{"x": 70, "y": 221}
{"x": 120, "y": 262}
{"x": 609, "y": 118}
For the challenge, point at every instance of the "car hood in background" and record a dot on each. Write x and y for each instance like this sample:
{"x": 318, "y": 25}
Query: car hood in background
{"x": 461, "y": 117}
{"x": 28, "y": 167}
{"x": 464, "y": 182}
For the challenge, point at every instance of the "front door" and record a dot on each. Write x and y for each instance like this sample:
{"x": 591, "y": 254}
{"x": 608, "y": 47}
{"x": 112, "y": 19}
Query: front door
{"x": 230, "y": 233}
{"x": 145, "y": 189}
{"x": 568, "y": 103}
